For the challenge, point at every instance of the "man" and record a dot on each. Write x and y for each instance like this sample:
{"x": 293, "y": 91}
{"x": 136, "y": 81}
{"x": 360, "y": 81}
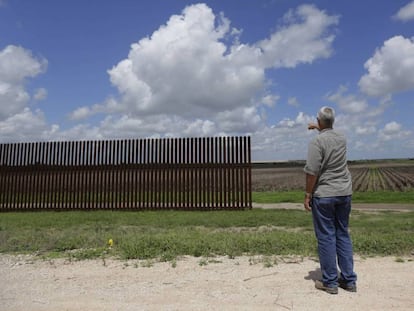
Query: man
{"x": 328, "y": 196}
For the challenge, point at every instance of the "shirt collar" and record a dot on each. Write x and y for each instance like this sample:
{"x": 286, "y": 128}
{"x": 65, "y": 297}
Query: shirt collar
{"x": 325, "y": 130}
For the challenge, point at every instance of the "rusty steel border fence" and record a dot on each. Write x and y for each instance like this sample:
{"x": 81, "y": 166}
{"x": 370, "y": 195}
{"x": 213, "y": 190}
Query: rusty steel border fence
{"x": 165, "y": 173}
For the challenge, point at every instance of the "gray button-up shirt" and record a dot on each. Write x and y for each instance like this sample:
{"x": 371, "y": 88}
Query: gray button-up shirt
{"x": 327, "y": 160}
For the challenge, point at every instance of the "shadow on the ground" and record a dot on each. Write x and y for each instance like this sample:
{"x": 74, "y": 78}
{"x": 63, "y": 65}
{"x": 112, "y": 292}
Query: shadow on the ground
{"x": 314, "y": 275}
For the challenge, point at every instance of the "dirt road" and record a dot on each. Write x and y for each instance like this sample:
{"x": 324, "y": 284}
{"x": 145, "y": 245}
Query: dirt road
{"x": 242, "y": 283}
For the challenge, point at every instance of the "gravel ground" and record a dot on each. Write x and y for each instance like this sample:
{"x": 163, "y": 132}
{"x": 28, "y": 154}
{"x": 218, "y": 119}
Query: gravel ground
{"x": 243, "y": 283}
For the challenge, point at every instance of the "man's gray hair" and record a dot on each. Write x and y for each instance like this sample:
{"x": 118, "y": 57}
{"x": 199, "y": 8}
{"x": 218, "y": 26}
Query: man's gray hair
{"x": 326, "y": 116}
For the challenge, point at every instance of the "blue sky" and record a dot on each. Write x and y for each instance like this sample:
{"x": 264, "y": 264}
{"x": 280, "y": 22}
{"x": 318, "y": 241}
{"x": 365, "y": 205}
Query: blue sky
{"x": 151, "y": 68}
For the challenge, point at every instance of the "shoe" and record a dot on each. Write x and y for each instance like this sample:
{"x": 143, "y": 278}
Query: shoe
{"x": 350, "y": 288}
{"x": 329, "y": 290}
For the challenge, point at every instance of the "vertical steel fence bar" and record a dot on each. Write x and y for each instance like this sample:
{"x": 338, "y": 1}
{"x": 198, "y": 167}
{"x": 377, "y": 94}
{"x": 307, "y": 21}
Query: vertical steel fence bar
{"x": 249, "y": 174}
{"x": 213, "y": 170}
{"x": 50, "y": 173}
{"x": 76, "y": 187}
{"x": 106, "y": 177}
{"x": 127, "y": 177}
{"x": 175, "y": 173}
{"x": 18, "y": 176}
{"x": 199, "y": 173}
{"x": 2, "y": 177}
{"x": 14, "y": 185}
{"x": 8, "y": 168}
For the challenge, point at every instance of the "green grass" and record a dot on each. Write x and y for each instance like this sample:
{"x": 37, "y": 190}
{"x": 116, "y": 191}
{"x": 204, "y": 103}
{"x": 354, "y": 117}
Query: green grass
{"x": 278, "y": 197}
{"x": 384, "y": 197}
{"x": 167, "y": 235}
{"x": 358, "y": 197}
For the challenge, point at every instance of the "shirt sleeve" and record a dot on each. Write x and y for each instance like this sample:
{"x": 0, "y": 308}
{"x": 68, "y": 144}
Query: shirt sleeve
{"x": 314, "y": 160}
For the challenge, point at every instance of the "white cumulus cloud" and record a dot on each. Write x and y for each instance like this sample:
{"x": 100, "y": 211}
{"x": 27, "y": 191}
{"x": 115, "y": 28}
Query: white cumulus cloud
{"x": 393, "y": 131}
{"x": 17, "y": 63}
{"x": 183, "y": 69}
{"x": 293, "y": 101}
{"x": 26, "y": 125}
{"x": 17, "y": 121}
{"x": 303, "y": 39}
{"x": 391, "y": 68}
{"x": 349, "y": 103}
{"x": 40, "y": 94}
{"x": 80, "y": 113}
{"x": 406, "y": 13}
{"x": 195, "y": 68}
{"x": 392, "y": 128}
{"x": 365, "y": 130}
{"x": 16, "y": 66}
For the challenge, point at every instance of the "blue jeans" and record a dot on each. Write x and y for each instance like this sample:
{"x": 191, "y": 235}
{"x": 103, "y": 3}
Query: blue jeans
{"x": 330, "y": 221}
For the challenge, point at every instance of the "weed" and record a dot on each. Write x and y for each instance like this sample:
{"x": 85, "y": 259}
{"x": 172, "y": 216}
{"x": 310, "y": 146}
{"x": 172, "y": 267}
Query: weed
{"x": 147, "y": 263}
{"x": 268, "y": 262}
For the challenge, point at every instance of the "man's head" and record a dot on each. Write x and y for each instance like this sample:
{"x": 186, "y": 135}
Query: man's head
{"x": 326, "y": 117}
